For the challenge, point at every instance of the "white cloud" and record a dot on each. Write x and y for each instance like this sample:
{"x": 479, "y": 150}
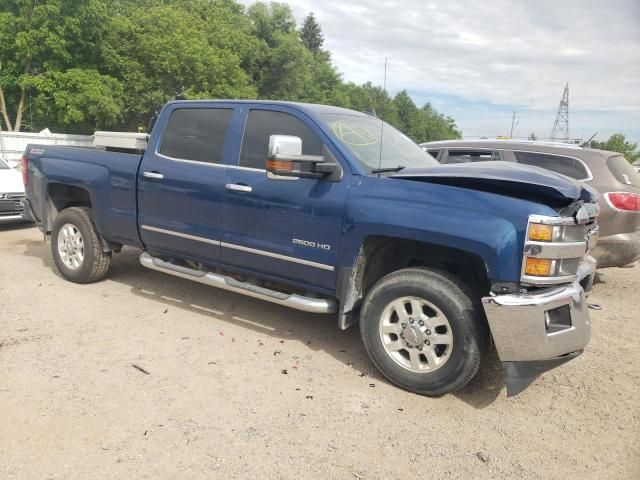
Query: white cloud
{"x": 503, "y": 52}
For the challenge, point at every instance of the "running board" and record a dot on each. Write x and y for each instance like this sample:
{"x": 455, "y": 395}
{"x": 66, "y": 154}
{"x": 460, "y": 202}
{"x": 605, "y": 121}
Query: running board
{"x": 306, "y": 304}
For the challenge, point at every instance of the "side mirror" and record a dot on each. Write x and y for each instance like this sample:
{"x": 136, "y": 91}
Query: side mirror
{"x": 285, "y": 159}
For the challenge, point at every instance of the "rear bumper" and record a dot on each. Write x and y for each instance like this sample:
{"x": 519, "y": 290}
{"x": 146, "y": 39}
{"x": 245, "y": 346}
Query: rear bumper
{"x": 534, "y": 332}
{"x": 617, "y": 250}
{"x": 27, "y": 212}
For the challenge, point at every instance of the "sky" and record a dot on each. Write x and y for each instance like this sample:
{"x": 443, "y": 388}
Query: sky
{"x": 479, "y": 61}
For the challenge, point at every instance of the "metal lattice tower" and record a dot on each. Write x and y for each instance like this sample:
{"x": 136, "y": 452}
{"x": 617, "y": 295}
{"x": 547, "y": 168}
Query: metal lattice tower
{"x": 560, "y": 130}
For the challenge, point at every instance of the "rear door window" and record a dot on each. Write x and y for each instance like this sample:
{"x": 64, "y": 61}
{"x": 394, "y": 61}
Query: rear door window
{"x": 196, "y": 134}
{"x": 570, "y": 167}
{"x": 623, "y": 171}
{"x": 468, "y": 156}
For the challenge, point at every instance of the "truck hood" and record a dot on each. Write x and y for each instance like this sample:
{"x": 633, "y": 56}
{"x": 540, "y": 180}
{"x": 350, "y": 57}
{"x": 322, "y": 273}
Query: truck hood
{"x": 10, "y": 181}
{"x": 505, "y": 178}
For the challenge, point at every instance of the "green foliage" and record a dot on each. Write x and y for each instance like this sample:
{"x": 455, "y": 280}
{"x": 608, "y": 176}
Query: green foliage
{"x": 158, "y": 53}
{"x": 618, "y": 143}
{"x": 81, "y": 97}
{"x": 88, "y": 64}
{"x": 38, "y": 38}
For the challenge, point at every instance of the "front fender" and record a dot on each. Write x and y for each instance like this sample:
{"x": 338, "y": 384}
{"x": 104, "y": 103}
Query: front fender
{"x": 488, "y": 226}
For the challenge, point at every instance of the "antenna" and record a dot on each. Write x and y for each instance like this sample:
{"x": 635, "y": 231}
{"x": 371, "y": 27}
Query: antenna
{"x": 584, "y": 144}
{"x": 561, "y": 126}
{"x": 513, "y": 123}
{"x": 384, "y": 89}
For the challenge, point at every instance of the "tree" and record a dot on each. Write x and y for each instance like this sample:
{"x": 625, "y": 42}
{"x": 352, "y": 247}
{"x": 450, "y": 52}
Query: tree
{"x": 161, "y": 52}
{"x": 311, "y": 34}
{"x": 39, "y": 43}
{"x": 80, "y": 97}
{"x": 533, "y": 137}
{"x": 618, "y": 143}
{"x": 87, "y": 64}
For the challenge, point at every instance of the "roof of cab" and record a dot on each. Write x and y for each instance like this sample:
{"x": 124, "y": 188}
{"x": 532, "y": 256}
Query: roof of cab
{"x": 309, "y": 108}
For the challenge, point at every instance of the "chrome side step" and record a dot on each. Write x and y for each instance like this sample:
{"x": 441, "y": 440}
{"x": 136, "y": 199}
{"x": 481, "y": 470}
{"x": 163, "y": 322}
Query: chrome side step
{"x": 292, "y": 300}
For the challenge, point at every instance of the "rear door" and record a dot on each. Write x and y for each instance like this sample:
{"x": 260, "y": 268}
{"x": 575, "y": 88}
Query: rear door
{"x": 286, "y": 228}
{"x": 181, "y": 182}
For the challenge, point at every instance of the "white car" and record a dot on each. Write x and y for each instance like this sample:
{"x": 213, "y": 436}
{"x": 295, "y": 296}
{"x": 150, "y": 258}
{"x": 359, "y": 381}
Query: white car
{"x": 11, "y": 193}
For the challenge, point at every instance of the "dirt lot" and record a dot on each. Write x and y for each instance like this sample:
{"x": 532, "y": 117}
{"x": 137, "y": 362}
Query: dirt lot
{"x": 238, "y": 388}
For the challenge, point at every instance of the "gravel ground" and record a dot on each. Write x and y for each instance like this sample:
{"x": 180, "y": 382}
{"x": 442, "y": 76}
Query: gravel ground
{"x": 148, "y": 376}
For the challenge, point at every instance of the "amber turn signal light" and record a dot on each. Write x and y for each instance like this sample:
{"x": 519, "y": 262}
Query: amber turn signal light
{"x": 538, "y": 267}
{"x": 279, "y": 165}
{"x": 540, "y": 233}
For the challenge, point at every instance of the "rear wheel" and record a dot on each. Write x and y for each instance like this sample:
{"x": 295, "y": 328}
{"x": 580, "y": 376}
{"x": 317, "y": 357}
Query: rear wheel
{"x": 76, "y": 248}
{"x": 422, "y": 331}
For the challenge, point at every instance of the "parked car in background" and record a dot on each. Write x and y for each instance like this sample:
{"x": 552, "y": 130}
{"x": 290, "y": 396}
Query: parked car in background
{"x": 11, "y": 193}
{"x": 608, "y": 172}
{"x": 636, "y": 166}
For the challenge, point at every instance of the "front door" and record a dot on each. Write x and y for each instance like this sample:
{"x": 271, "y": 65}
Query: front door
{"x": 286, "y": 228}
{"x": 181, "y": 184}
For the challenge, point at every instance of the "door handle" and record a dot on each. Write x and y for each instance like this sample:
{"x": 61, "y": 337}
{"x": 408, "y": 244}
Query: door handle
{"x": 237, "y": 187}
{"x": 154, "y": 175}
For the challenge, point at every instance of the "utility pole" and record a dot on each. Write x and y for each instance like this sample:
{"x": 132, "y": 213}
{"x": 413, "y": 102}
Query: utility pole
{"x": 513, "y": 123}
{"x": 561, "y": 126}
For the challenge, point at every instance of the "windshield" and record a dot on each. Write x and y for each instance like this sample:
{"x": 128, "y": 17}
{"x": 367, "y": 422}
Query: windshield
{"x": 362, "y": 137}
{"x": 3, "y": 165}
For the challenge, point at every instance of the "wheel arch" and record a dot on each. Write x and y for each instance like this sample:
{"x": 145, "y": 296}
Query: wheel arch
{"x": 60, "y": 196}
{"x": 380, "y": 255}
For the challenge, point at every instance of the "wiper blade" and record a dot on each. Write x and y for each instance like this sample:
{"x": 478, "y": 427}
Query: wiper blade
{"x": 388, "y": 169}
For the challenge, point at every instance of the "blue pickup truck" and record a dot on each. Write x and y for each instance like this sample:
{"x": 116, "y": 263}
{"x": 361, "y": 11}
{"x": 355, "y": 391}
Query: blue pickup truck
{"x": 333, "y": 211}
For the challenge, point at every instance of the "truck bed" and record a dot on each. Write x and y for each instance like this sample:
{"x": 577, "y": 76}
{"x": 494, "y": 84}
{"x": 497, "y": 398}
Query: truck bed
{"x": 109, "y": 178}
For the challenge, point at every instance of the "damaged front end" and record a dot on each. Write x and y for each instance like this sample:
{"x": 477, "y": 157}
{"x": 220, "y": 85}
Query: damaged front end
{"x": 542, "y": 321}
{"x": 547, "y": 322}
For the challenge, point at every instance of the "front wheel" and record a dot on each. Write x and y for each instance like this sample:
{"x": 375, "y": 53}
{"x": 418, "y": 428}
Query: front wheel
{"x": 422, "y": 330}
{"x": 76, "y": 248}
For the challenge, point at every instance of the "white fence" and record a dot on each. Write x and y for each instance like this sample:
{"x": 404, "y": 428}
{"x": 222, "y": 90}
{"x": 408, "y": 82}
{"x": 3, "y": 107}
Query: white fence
{"x": 12, "y": 144}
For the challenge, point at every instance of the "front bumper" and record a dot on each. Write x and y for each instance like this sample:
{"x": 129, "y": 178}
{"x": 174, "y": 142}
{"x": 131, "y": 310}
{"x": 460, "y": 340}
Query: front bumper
{"x": 618, "y": 250}
{"x": 534, "y": 332}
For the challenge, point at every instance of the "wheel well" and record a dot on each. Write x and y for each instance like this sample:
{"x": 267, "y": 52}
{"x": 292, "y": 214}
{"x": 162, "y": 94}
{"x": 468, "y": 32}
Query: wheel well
{"x": 62, "y": 196}
{"x": 393, "y": 254}
{"x": 65, "y": 196}
{"x": 381, "y": 255}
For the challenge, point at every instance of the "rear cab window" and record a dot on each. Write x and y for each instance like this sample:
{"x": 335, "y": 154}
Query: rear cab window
{"x": 261, "y": 124}
{"x": 196, "y": 134}
{"x": 469, "y": 156}
{"x": 623, "y": 171}
{"x": 571, "y": 167}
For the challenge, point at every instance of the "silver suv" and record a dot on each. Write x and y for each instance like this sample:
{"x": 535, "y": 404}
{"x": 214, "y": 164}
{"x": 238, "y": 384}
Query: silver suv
{"x": 608, "y": 172}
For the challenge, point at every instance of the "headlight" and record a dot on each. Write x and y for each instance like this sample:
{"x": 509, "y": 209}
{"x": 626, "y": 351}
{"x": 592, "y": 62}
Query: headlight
{"x": 555, "y": 247}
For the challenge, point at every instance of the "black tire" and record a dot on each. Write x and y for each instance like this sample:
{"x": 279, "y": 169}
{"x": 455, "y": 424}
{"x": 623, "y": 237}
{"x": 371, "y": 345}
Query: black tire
{"x": 95, "y": 263}
{"x": 470, "y": 333}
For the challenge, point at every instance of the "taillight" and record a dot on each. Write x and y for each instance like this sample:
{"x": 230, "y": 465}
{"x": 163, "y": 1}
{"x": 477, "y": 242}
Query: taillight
{"x": 25, "y": 170}
{"x": 624, "y": 201}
